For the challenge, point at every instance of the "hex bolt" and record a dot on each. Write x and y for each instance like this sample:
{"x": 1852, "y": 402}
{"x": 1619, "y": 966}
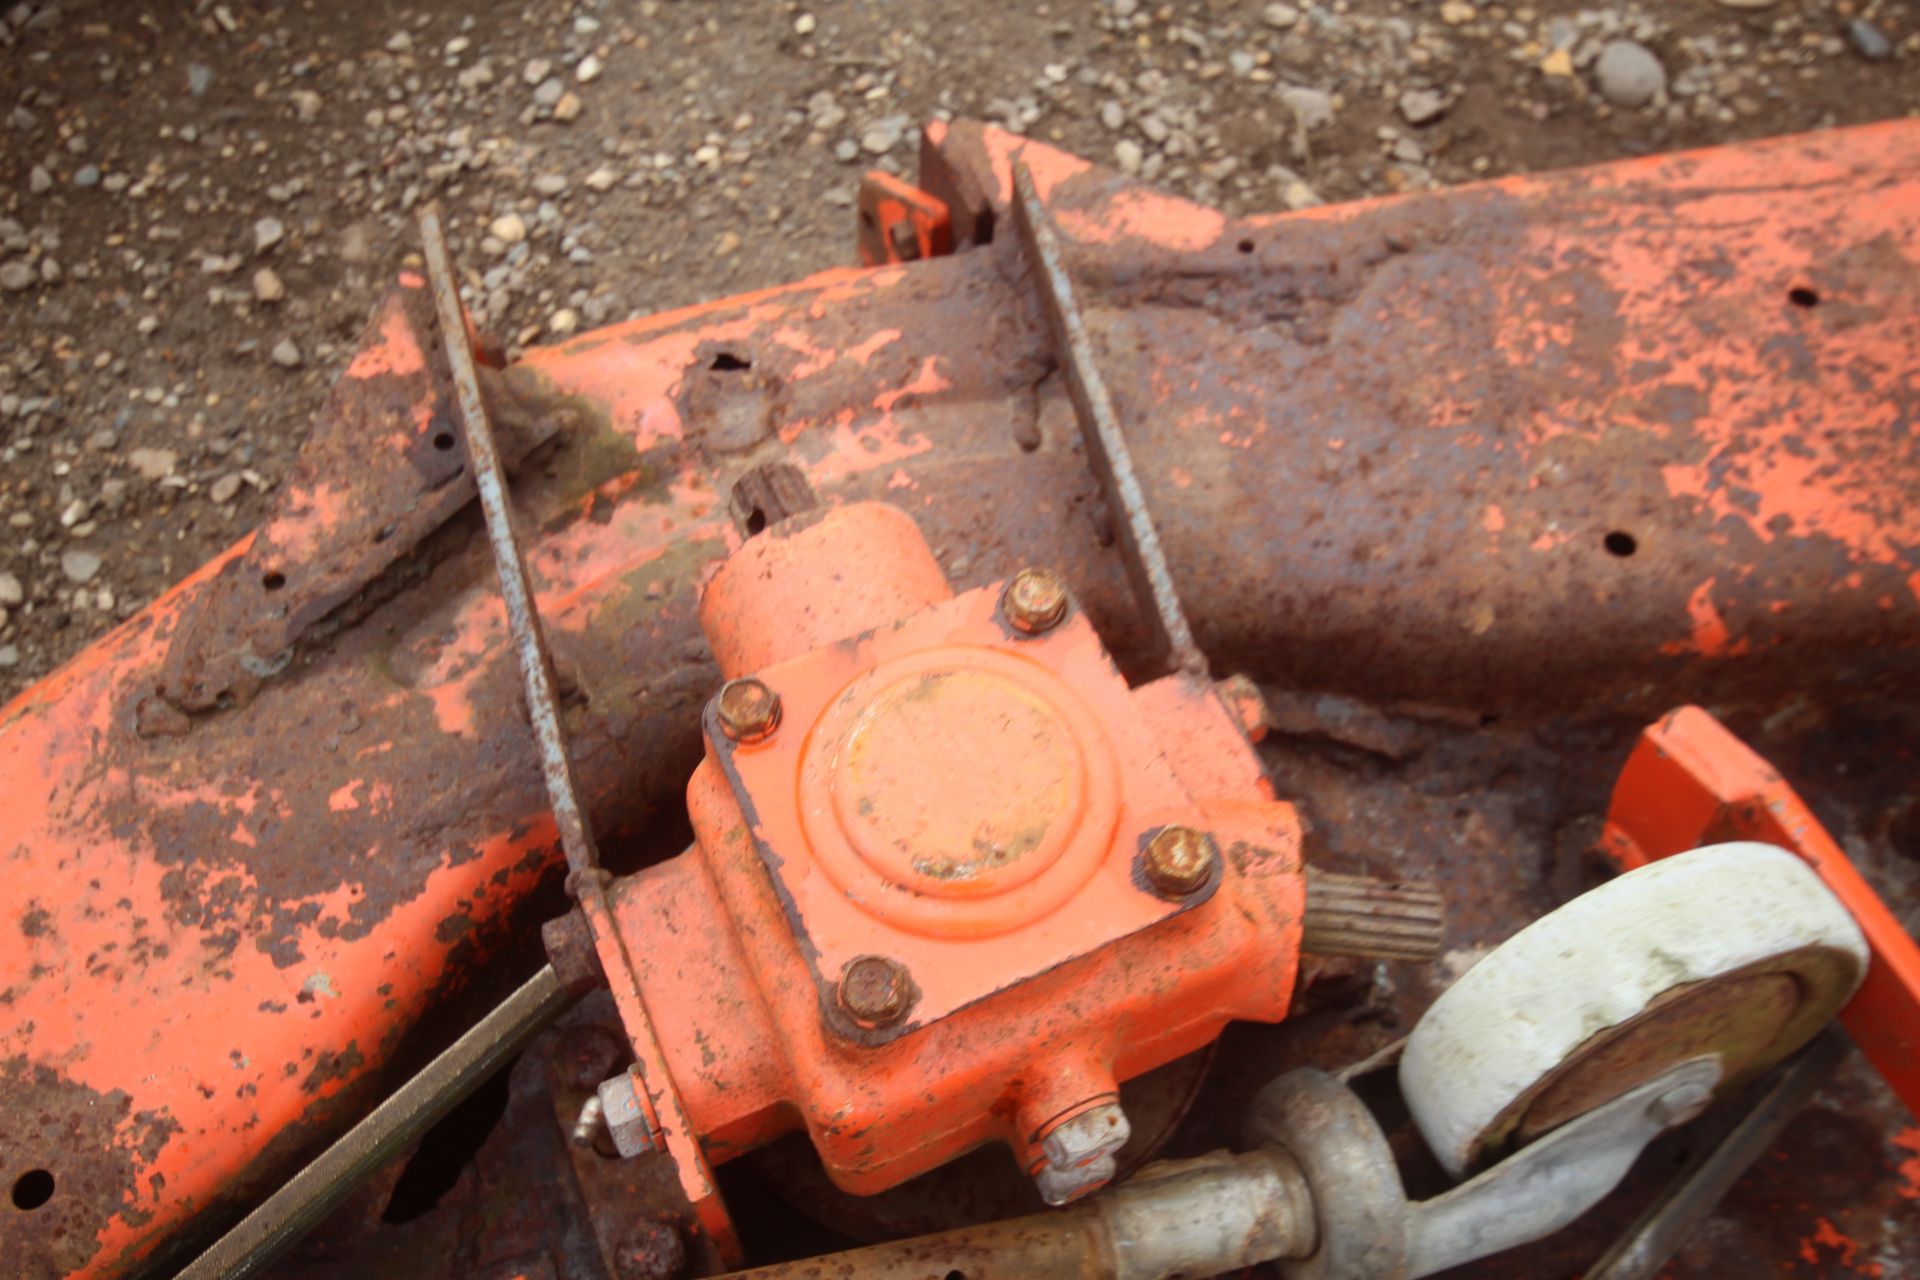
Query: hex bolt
{"x": 625, "y": 1118}
{"x": 876, "y": 991}
{"x": 749, "y": 711}
{"x": 1178, "y": 860}
{"x": 1034, "y": 601}
{"x": 1080, "y": 1153}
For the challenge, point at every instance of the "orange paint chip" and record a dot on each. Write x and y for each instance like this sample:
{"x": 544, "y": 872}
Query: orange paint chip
{"x": 1495, "y": 520}
{"x": 1710, "y": 638}
{"x": 1909, "y": 1140}
{"x": 343, "y": 799}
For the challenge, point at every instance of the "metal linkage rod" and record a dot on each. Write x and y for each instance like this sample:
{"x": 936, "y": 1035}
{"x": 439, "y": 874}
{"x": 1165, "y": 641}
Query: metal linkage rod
{"x": 523, "y": 619}
{"x": 1100, "y": 426}
{"x": 314, "y": 1192}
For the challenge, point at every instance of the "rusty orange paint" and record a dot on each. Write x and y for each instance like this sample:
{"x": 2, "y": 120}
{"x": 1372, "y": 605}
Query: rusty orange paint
{"x": 968, "y": 801}
{"x": 1690, "y": 782}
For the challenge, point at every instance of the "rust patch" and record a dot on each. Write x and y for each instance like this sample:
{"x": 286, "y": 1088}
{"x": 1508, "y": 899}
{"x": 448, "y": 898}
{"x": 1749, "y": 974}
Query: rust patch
{"x": 75, "y": 1155}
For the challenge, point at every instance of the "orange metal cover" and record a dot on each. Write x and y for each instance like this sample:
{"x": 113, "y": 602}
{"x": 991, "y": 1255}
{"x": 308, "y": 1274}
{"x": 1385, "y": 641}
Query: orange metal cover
{"x": 951, "y": 780}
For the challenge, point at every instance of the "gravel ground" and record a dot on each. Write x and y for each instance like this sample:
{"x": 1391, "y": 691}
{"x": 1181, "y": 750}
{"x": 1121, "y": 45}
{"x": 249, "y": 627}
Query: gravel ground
{"x": 200, "y": 203}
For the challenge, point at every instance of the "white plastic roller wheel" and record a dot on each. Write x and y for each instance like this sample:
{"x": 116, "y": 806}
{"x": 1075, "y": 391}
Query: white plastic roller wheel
{"x": 1734, "y": 949}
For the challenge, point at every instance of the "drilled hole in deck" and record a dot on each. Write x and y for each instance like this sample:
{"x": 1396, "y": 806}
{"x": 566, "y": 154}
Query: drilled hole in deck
{"x": 756, "y": 521}
{"x": 32, "y": 1189}
{"x": 1801, "y": 296}
{"x": 274, "y": 580}
{"x": 1245, "y": 246}
{"x": 727, "y": 362}
{"x": 448, "y": 1148}
{"x": 956, "y": 1274}
{"x": 1620, "y": 543}
{"x": 443, "y": 440}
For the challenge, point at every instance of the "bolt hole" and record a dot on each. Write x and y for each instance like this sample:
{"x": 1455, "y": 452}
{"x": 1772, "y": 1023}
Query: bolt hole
{"x": 756, "y": 521}
{"x": 727, "y": 362}
{"x": 1801, "y": 296}
{"x": 273, "y": 580}
{"x": 443, "y": 440}
{"x": 1620, "y": 543}
{"x": 956, "y": 1274}
{"x": 1245, "y": 246}
{"x": 32, "y": 1189}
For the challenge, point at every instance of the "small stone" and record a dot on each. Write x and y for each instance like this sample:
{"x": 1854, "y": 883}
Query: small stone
{"x": 568, "y": 108}
{"x": 537, "y": 70}
{"x": 267, "y": 233}
{"x": 1299, "y": 195}
{"x": 550, "y": 184}
{"x": 306, "y": 105}
{"x": 267, "y": 286}
{"x": 1113, "y": 115}
{"x": 880, "y": 137}
{"x": 508, "y": 228}
{"x": 1868, "y": 41}
{"x": 87, "y": 175}
{"x": 152, "y": 464}
{"x": 601, "y": 179}
{"x": 1628, "y": 74}
{"x": 222, "y": 491}
{"x": 11, "y": 593}
{"x": 1456, "y": 13}
{"x": 1422, "y": 106}
{"x": 1280, "y": 16}
{"x": 805, "y": 24}
{"x": 589, "y": 69}
{"x": 549, "y": 91}
{"x": 16, "y": 276}
{"x": 1559, "y": 64}
{"x": 9, "y": 655}
{"x": 1748, "y": 4}
{"x": 728, "y": 243}
{"x": 563, "y": 322}
{"x": 399, "y": 42}
{"x": 1312, "y": 107}
{"x": 199, "y": 79}
{"x": 1128, "y": 155}
{"x": 80, "y": 566}
{"x": 39, "y": 181}
{"x": 285, "y": 354}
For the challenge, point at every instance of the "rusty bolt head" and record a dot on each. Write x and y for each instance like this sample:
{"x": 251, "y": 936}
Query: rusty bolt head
{"x": 1179, "y": 859}
{"x": 653, "y": 1249}
{"x": 587, "y": 1054}
{"x": 876, "y": 991}
{"x": 1034, "y": 601}
{"x": 748, "y": 709}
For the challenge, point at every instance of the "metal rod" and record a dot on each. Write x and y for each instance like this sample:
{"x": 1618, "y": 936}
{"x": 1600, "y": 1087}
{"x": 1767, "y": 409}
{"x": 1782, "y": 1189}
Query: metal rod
{"x": 1657, "y": 1234}
{"x": 1200, "y": 1217}
{"x": 388, "y": 1129}
{"x": 1107, "y": 449}
{"x": 523, "y": 618}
